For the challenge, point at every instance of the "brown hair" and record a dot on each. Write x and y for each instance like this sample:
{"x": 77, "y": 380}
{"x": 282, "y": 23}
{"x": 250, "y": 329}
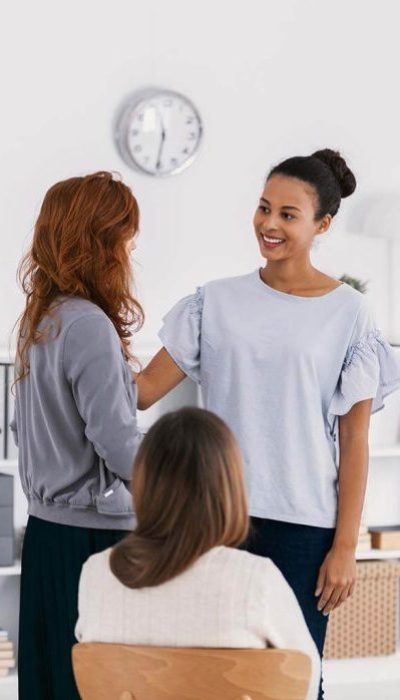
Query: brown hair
{"x": 79, "y": 248}
{"x": 188, "y": 495}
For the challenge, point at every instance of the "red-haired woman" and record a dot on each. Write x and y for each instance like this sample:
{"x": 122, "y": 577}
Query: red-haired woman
{"x": 75, "y": 417}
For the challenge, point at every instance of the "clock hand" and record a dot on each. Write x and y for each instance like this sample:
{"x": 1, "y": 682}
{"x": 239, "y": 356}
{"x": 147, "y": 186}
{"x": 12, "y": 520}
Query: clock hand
{"x": 162, "y": 141}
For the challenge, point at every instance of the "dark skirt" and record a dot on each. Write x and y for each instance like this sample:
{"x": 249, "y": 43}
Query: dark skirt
{"x": 52, "y": 559}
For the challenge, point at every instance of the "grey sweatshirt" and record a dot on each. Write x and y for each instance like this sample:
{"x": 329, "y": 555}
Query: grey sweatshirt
{"x": 75, "y": 422}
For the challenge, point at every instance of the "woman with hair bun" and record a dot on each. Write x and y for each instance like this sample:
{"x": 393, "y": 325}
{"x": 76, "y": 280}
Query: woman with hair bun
{"x": 292, "y": 360}
{"x": 75, "y": 411}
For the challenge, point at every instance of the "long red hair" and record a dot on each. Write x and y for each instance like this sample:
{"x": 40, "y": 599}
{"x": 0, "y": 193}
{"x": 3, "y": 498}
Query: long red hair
{"x": 80, "y": 248}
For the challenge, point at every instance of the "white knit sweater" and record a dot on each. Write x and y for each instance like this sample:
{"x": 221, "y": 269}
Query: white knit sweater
{"x": 227, "y": 598}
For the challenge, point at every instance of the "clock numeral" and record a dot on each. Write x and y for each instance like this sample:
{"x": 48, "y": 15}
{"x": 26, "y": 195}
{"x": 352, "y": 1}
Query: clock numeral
{"x": 192, "y": 136}
{"x": 137, "y": 149}
{"x": 189, "y": 120}
{"x": 141, "y": 116}
{"x": 185, "y": 151}
{"x": 174, "y": 161}
{"x": 135, "y": 132}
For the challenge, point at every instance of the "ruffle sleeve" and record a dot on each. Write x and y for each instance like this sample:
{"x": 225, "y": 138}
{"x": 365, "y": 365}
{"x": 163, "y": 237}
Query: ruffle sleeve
{"x": 181, "y": 333}
{"x": 371, "y": 370}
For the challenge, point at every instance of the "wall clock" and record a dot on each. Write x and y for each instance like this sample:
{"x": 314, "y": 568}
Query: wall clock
{"x": 159, "y": 132}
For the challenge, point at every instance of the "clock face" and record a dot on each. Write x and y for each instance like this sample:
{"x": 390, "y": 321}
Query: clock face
{"x": 160, "y": 133}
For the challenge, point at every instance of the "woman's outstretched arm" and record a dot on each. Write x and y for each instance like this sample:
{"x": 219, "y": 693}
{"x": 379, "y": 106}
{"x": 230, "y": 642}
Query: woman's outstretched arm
{"x": 160, "y": 376}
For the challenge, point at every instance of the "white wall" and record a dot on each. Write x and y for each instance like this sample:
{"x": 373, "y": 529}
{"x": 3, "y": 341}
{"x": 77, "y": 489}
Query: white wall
{"x": 271, "y": 79}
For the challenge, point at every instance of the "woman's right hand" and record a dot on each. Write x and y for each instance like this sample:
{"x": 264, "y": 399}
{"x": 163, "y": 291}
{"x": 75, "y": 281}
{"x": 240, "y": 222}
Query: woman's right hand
{"x": 160, "y": 376}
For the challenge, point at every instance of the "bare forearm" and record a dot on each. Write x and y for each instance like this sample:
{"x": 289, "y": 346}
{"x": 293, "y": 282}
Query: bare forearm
{"x": 337, "y": 575}
{"x": 353, "y": 471}
{"x": 160, "y": 376}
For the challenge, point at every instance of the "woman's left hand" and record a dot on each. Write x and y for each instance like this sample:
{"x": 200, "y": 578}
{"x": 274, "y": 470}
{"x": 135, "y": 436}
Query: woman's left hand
{"x": 336, "y": 579}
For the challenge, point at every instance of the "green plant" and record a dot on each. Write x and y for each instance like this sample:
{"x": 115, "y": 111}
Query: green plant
{"x": 354, "y": 282}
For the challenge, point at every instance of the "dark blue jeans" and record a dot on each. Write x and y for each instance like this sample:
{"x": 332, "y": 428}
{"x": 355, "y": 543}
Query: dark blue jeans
{"x": 298, "y": 551}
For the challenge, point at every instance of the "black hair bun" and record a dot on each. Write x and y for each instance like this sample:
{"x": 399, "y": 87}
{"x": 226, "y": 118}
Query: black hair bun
{"x": 344, "y": 176}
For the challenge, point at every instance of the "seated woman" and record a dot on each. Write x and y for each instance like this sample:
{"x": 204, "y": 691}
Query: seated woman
{"x": 178, "y": 579}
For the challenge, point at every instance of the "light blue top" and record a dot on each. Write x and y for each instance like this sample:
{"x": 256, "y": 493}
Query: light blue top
{"x": 279, "y": 369}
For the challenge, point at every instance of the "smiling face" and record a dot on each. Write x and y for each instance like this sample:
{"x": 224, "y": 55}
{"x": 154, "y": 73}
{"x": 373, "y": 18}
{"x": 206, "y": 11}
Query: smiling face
{"x": 284, "y": 221}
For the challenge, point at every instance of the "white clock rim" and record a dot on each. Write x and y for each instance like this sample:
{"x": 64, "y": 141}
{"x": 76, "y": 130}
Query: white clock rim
{"x": 124, "y": 121}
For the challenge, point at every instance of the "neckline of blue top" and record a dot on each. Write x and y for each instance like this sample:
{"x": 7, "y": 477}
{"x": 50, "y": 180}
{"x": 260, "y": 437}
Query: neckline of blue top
{"x": 294, "y": 297}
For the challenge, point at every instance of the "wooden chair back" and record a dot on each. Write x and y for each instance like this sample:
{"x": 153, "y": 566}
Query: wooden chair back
{"x": 121, "y": 672}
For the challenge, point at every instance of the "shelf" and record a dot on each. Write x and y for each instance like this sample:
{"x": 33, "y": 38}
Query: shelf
{"x": 6, "y": 356}
{"x": 371, "y": 669}
{"x": 374, "y": 452}
{"x": 376, "y": 554}
{"x": 385, "y": 451}
{"x": 9, "y": 686}
{"x": 8, "y": 464}
{"x": 14, "y": 570}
